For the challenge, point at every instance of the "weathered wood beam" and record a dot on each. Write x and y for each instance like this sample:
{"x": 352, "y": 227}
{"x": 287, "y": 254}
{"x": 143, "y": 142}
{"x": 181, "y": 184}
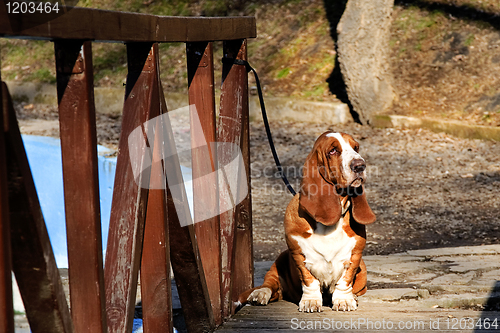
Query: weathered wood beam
{"x": 75, "y": 90}
{"x": 233, "y": 110}
{"x": 6, "y": 306}
{"x": 204, "y": 164}
{"x": 33, "y": 260}
{"x": 184, "y": 254}
{"x": 103, "y": 25}
{"x": 156, "y": 288}
{"x": 243, "y": 270}
{"x": 130, "y": 195}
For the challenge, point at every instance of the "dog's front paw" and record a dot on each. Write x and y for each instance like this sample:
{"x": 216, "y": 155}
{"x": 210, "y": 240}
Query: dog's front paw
{"x": 311, "y": 300}
{"x": 260, "y": 296}
{"x": 344, "y": 301}
{"x": 310, "y": 305}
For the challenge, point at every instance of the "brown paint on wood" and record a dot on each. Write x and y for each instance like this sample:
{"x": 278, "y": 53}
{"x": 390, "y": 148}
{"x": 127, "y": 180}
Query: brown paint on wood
{"x": 204, "y": 166}
{"x": 103, "y": 25}
{"x": 242, "y": 276}
{"x": 33, "y": 261}
{"x": 155, "y": 267}
{"x": 184, "y": 253}
{"x": 233, "y": 104}
{"x": 128, "y": 210}
{"x": 6, "y": 306}
{"x": 81, "y": 186}
{"x": 189, "y": 276}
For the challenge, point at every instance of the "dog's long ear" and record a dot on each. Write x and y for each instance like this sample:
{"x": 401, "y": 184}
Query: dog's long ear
{"x": 317, "y": 197}
{"x": 361, "y": 211}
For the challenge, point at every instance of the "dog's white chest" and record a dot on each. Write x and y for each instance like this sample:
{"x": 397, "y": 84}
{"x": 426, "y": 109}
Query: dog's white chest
{"x": 326, "y": 251}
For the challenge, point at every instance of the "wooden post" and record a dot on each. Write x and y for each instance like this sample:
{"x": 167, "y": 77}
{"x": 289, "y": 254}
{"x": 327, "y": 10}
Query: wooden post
{"x": 189, "y": 276}
{"x": 6, "y": 306}
{"x": 204, "y": 165}
{"x": 77, "y": 122}
{"x": 184, "y": 254}
{"x": 155, "y": 268}
{"x": 33, "y": 261}
{"x": 242, "y": 273}
{"x": 233, "y": 107}
{"x": 128, "y": 210}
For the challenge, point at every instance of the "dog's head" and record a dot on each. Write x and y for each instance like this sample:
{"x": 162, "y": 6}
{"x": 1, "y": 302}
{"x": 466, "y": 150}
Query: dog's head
{"x": 334, "y": 168}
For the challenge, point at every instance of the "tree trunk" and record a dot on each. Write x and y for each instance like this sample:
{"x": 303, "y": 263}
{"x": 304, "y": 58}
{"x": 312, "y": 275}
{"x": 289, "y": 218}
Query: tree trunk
{"x": 363, "y": 51}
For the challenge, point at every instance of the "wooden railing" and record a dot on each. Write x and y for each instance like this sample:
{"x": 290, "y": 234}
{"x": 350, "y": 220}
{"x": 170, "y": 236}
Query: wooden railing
{"x": 211, "y": 260}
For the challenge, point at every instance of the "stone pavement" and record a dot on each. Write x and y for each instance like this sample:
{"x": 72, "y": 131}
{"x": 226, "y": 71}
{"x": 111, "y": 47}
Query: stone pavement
{"x": 448, "y": 277}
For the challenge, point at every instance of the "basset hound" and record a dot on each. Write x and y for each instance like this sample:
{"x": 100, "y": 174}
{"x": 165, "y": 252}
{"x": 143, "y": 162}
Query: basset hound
{"x": 325, "y": 233}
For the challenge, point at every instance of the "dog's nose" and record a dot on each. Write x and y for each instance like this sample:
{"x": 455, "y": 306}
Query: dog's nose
{"x": 358, "y": 165}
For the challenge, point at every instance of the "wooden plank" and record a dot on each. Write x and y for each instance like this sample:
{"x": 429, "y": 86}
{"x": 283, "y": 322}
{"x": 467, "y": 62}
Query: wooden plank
{"x": 155, "y": 267}
{"x": 233, "y": 104}
{"x": 75, "y": 90}
{"x": 189, "y": 276}
{"x": 204, "y": 164}
{"x": 128, "y": 208}
{"x": 271, "y": 318}
{"x": 184, "y": 253}
{"x": 102, "y": 25}
{"x": 284, "y": 316}
{"x": 6, "y": 305}
{"x": 242, "y": 273}
{"x": 33, "y": 261}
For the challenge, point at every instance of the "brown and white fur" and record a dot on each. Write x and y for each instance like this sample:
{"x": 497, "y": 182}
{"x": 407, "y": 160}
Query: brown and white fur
{"x": 325, "y": 233}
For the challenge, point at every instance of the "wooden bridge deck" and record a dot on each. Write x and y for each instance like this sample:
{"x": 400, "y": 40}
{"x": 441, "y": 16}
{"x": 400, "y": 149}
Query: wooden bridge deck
{"x": 371, "y": 316}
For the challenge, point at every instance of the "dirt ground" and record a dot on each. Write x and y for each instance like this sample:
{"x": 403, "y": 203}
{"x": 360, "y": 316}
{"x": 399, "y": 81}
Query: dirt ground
{"x": 428, "y": 190}
{"x": 444, "y": 60}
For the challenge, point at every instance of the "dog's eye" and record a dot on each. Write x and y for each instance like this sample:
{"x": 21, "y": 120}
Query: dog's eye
{"x": 333, "y": 151}
{"x": 356, "y": 149}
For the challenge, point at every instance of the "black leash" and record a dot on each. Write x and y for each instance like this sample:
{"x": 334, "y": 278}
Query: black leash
{"x": 264, "y": 117}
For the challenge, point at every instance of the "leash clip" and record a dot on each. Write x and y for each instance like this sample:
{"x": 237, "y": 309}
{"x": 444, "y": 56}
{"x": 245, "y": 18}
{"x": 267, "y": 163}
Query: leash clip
{"x": 238, "y": 62}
